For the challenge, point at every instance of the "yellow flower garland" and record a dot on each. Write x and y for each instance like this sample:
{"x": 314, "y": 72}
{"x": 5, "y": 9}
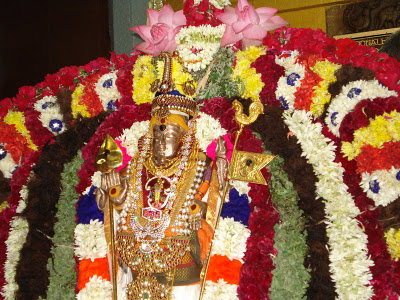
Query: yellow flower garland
{"x": 17, "y": 119}
{"x": 382, "y": 129}
{"x": 393, "y": 241}
{"x": 145, "y": 73}
{"x": 179, "y": 76}
{"x": 326, "y": 70}
{"x": 78, "y": 109}
{"x": 249, "y": 81}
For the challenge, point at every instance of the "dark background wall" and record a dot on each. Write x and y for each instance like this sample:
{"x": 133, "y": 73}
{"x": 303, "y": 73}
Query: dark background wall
{"x": 38, "y": 37}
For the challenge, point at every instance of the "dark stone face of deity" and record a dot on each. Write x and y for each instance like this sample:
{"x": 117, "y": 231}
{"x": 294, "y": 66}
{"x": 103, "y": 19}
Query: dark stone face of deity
{"x": 166, "y": 141}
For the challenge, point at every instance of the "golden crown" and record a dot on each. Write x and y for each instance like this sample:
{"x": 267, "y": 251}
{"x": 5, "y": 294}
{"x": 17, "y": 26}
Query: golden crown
{"x": 167, "y": 98}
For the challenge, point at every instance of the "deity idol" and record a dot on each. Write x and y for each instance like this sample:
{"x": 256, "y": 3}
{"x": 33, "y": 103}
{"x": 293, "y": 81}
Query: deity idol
{"x": 165, "y": 202}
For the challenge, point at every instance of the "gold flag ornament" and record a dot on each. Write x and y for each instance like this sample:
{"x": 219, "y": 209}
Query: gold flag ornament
{"x": 246, "y": 166}
{"x": 109, "y": 156}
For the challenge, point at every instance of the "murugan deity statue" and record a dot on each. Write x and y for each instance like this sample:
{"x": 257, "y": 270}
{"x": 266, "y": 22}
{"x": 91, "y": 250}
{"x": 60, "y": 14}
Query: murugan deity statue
{"x": 164, "y": 222}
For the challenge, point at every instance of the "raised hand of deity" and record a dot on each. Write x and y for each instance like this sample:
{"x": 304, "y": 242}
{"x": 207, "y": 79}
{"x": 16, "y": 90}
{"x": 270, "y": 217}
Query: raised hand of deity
{"x": 112, "y": 187}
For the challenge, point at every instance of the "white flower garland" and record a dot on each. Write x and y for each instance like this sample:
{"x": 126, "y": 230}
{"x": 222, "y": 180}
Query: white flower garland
{"x": 230, "y": 239}
{"x": 95, "y": 180}
{"x": 107, "y": 90}
{"x": 350, "y": 96}
{"x": 288, "y": 84}
{"x": 7, "y": 164}
{"x": 347, "y": 240}
{"x": 242, "y": 187}
{"x": 96, "y": 289}
{"x": 90, "y": 240}
{"x": 382, "y": 186}
{"x": 16, "y": 239}
{"x": 131, "y": 136}
{"x": 198, "y": 45}
{"x": 50, "y": 115}
{"x": 220, "y": 291}
{"x": 208, "y": 129}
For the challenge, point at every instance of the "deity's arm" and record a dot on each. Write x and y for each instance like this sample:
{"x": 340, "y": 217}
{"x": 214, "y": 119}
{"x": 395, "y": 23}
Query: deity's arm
{"x": 114, "y": 187}
{"x": 222, "y": 164}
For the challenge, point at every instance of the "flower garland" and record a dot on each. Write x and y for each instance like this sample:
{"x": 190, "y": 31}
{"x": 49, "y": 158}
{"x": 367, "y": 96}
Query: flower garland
{"x": 382, "y": 129}
{"x": 346, "y": 238}
{"x": 76, "y": 106}
{"x": 382, "y": 186}
{"x": 90, "y": 240}
{"x": 15, "y": 206}
{"x": 17, "y": 119}
{"x": 50, "y": 115}
{"x": 13, "y": 148}
{"x": 393, "y": 240}
{"x": 282, "y": 142}
{"x": 208, "y": 129}
{"x": 197, "y": 46}
{"x": 270, "y": 72}
{"x": 145, "y": 73}
{"x": 17, "y": 234}
{"x": 287, "y": 85}
{"x": 290, "y": 238}
{"x": 249, "y": 81}
{"x": 45, "y": 185}
{"x": 107, "y": 91}
{"x": 326, "y": 71}
{"x": 97, "y": 288}
{"x": 350, "y": 95}
{"x": 62, "y": 276}
{"x": 256, "y": 273}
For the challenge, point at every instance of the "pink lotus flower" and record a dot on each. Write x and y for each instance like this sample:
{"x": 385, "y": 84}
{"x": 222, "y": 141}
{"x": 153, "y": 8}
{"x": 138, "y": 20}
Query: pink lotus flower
{"x": 159, "y": 35}
{"x": 248, "y": 24}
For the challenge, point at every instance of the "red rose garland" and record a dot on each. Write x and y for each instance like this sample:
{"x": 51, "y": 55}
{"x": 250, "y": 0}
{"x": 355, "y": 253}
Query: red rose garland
{"x": 270, "y": 74}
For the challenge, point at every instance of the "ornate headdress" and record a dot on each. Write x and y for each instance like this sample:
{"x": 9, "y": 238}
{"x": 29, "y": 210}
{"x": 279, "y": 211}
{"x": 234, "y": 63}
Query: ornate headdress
{"x": 169, "y": 100}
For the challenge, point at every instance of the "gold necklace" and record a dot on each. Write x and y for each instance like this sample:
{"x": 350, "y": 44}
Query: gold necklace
{"x": 165, "y": 170}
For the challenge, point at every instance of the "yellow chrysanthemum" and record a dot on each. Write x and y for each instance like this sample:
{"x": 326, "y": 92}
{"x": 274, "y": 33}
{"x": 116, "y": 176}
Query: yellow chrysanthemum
{"x": 382, "y": 129}
{"x": 144, "y": 75}
{"x": 179, "y": 75}
{"x": 249, "y": 81}
{"x": 3, "y": 206}
{"x": 393, "y": 241}
{"x": 17, "y": 119}
{"x": 76, "y": 107}
{"x": 326, "y": 70}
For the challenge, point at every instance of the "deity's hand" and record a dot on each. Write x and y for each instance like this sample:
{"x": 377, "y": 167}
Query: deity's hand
{"x": 222, "y": 165}
{"x": 197, "y": 212}
{"x": 112, "y": 187}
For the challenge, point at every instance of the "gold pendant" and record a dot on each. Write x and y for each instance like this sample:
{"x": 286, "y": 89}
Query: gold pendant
{"x": 146, "y": 287}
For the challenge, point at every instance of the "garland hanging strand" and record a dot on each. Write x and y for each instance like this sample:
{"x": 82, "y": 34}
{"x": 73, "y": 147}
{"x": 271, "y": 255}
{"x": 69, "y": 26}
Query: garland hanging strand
{"x": 300, "y": 173}
{"x": 44, "y": 191}
{"x": 61, "y": 266}
{"x": 290, "y": 238}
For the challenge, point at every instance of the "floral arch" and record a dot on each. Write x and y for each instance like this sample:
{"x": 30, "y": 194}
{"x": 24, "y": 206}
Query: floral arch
{"x": 327, "y": 224}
